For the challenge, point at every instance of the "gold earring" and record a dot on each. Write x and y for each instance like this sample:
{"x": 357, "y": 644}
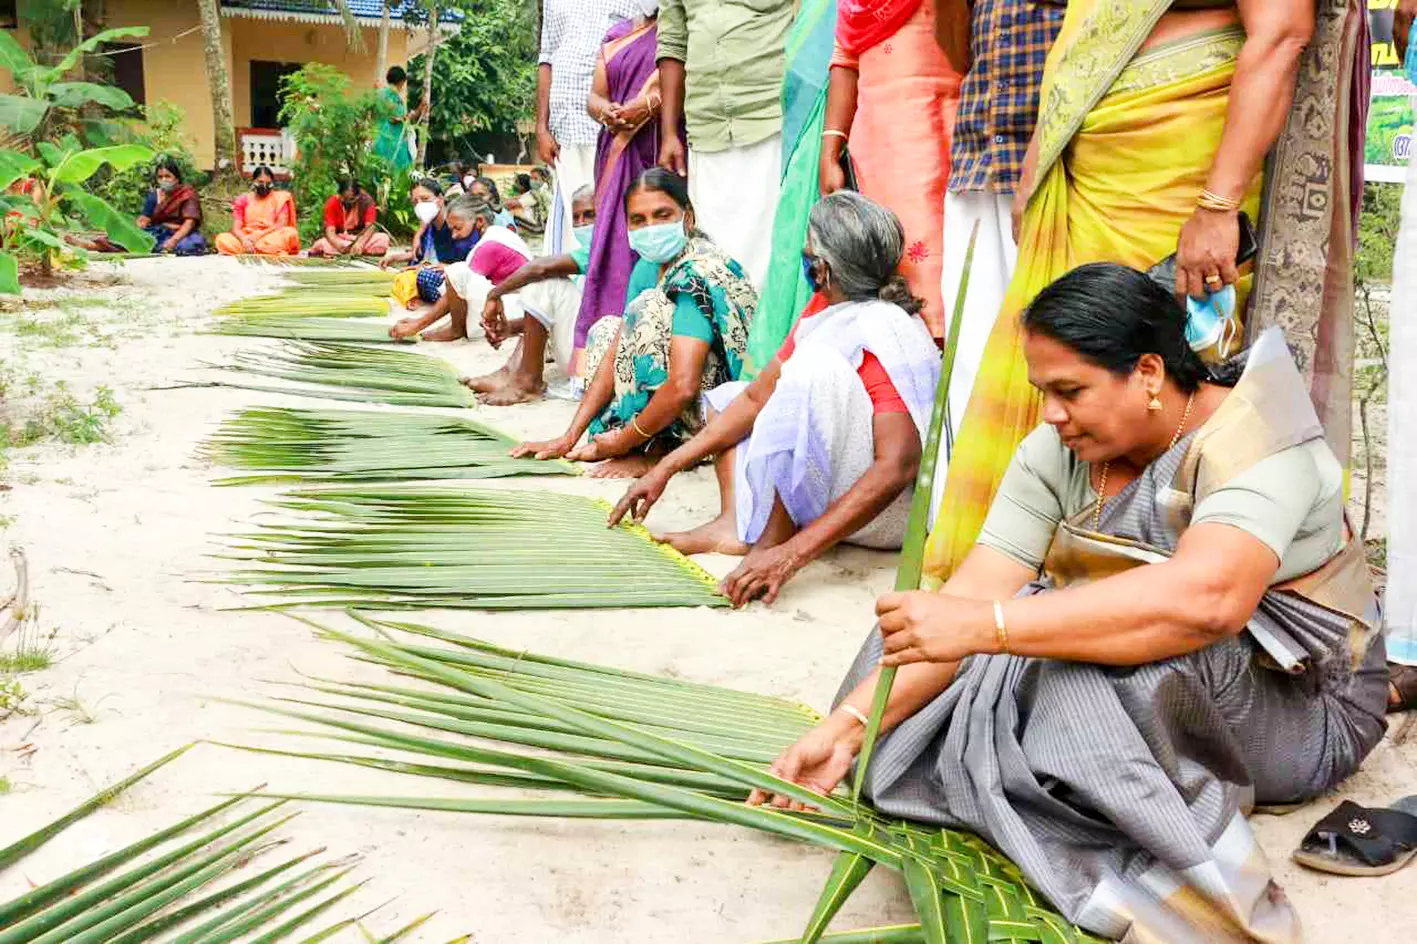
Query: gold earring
{"x": 1155, "y": 405}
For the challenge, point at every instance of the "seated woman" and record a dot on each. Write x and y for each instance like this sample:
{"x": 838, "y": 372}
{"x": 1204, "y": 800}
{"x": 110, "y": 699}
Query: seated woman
{"x": 485, "y": 189}
{"x": 436, "y": 243}
{"x": 685, "y": 335}
{"x": 529, "y": 206}
{"x": 351, "y": 224}
{"x": 497, "y": 253}
{"x": 263, "y": 221}
{"x": 1165, "y": 621}
{"x": 172, "y": 214}
{"x": 853, "y": 386}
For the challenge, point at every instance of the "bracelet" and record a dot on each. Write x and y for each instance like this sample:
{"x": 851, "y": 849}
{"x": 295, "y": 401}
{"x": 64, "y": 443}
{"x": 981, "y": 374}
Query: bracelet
{"x": 1209, "y": 200}
{"x": 856, "y": 713}
{"x": 635, "y": 422}
{"x": 834, "y": 133}
{"x": 1001, "y": 631}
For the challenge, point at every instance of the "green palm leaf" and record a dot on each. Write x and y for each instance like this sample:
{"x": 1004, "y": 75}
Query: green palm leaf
{"x": 335, "y": 371}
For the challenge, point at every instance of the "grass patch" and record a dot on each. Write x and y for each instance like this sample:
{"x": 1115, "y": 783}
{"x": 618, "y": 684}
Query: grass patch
{"x": 13, "y": 698}
{"x": 5, "y": 786}
{"x": 61, "y": 416}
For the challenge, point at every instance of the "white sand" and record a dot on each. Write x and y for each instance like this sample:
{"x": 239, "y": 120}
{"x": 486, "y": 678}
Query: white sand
{"x": 115, "y": 534}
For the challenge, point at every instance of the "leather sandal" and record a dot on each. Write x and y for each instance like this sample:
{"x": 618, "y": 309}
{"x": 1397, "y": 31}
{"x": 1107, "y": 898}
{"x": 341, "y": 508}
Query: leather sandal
{"x": 1403, "y": 681}
{"x": 1359, "y": 840}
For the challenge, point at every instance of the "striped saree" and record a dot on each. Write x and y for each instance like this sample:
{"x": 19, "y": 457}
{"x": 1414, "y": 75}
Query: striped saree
{"x": 1126, "y": 145}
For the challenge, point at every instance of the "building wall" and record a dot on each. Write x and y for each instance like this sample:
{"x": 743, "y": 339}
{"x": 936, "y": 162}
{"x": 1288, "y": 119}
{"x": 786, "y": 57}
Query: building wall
{"x": 175, "y": 68}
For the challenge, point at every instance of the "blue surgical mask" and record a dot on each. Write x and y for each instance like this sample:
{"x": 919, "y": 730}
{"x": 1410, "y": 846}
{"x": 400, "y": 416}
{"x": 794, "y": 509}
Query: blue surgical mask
{"x": 1211, "y": 329}
{"x": 809, "y": 272}
{"x": 583, "y": 235}
{"x": 659, "y": 243}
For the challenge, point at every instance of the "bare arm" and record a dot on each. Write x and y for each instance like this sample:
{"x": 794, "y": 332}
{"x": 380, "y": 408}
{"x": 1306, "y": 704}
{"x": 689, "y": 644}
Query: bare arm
{"x": 841, "y": 112}
{"x": 686, "y": 371}
{"x": 356, "y": 248}
{"x": 598, "y": 104}
{"x": 182, "y": 231}
{"x": 537, "y": 270}
{"x": 671, "y": 113}
{"x": 597, "y": 397}
{"x": 1261, "y": 94}
{"x": 546, "y": 147}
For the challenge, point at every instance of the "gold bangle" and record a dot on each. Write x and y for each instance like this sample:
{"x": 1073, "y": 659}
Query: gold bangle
{"x": 856, "y": 713}
{"x": 1001, "y": 631}
{"x": 1209, "y": 200}
{"x": 635, "y": 422}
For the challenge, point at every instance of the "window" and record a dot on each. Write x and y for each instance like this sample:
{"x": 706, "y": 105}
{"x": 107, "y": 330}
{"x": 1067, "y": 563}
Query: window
{"x": 127, "y": 61}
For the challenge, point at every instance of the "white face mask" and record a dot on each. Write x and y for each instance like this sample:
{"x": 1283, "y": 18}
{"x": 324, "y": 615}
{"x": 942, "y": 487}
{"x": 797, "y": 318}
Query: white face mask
{"x": 467, "y": 181}
{"x": 426, "y": 212}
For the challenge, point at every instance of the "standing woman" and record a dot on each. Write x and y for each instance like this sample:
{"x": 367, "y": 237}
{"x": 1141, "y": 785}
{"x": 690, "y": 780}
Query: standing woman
{"x": 392, "y": 141}
{"x": 687, "y": 334}
{"x": 889, "y": 73}
{"x": 625, "y": 99}
{"x": 1159, "y": 122}
{"x": 172, "y": 214}
{"x": 263, "y": 221}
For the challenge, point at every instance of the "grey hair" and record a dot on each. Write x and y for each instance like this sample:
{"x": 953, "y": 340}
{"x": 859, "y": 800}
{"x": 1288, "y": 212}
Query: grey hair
{"x": 470, "y": 207}
{"x": 862, "y": 243}
{"x": 584, "y": 192}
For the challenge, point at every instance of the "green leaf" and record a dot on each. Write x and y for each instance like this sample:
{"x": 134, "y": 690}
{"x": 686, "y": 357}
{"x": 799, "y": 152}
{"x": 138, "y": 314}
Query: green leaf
{"x": 9, "y": 274}
{"x": 15, "y": 58}
{"x": 80, "y": 166}
{"x": 892, "y": 934}
{"x": 78, "y": 94}
{"x": 22, "y": 847}
{"x": 15, "y": 166}
{"x": 119, "y": 226}
{"x": 848, "y": 871}
{"x": 925, "y": 896}
{"x": 20, "y": 113}
{"x": 89, "y": 45}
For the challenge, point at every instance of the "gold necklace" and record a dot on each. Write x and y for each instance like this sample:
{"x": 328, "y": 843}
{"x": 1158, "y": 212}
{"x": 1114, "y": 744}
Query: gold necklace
{"x": 1102, "y": 483}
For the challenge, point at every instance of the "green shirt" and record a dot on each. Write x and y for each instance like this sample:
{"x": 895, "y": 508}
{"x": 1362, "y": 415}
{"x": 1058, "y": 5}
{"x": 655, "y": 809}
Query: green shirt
{"x": 733, "y": 58}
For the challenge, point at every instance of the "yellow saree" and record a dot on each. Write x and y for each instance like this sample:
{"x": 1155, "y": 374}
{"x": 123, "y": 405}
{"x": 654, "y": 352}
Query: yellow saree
{"x": 1126, "y": 143}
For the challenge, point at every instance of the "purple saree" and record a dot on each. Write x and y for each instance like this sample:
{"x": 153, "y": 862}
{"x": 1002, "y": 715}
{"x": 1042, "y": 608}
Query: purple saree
{"x": 629, "y": 61}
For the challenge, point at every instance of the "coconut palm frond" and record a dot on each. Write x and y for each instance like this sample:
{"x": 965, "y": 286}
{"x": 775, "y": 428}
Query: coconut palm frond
{"x": 301, "y": 262}
{"x": 311, "y": 301}
{"x": 421, "y": 546}
{"x": 292, "y": 445}
{"x": 641, "y": 746}
{"x": 306, "y": 328}
{"x": 352, "y": 372}
{"x": 342, "y": 279}
{"x": 182, "y": 880}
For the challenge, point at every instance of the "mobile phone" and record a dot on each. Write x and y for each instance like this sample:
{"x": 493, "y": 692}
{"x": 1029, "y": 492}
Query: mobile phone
{"x": 848, "y": 168}
{"x": 1164, "y": 272}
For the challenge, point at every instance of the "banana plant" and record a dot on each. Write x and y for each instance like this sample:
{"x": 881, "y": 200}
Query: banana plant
{"x": 43, "y": 106}
{"x": 49, "y": 201}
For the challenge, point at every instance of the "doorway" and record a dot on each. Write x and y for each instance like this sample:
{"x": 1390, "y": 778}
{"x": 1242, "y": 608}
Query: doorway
{"x": 266, "y": 91}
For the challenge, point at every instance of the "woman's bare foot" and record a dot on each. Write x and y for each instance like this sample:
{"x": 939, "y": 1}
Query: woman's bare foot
{"x": 513, "y": 391}
{"x": 444, "y": 334}
{"x": 487, "y": 383}
{"x": 625, "y": 467}
{"x": 719, "y": 536}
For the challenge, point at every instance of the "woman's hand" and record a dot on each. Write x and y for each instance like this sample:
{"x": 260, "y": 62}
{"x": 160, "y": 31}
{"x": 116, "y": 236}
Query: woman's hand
{"x": 169, "y": 245}
{"x": 607, "y": 445}
{"x": 544, "y": 449}
{"x": 642, "y": 495}
{"x": 819, "y": 761}
{"x": 762, "y": 574}
{"x": 1205, "y": 255}
{"x": 248, "y": 244}
{"x": 832, "y": 176}
{"x": 631, "y": 115}
{"x": 918, "y": 626}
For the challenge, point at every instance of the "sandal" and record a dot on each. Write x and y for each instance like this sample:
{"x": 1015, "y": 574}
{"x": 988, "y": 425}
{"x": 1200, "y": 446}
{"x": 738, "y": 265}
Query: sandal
{"x": 1402, "y": 679}
{"x": 1357, "y": 840}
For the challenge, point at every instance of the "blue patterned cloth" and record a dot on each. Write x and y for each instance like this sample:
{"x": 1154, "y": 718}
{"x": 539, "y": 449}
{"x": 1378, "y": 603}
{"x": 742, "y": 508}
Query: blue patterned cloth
{"x": 430, "y": 284}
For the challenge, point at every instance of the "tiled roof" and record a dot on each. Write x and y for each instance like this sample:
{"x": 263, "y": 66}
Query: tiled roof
{"x": 324, "y": 10}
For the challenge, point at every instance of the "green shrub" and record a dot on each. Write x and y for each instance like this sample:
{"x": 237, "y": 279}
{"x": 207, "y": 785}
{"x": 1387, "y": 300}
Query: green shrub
{"x": 162, "y": 132}
{"x": 332, "y": 126}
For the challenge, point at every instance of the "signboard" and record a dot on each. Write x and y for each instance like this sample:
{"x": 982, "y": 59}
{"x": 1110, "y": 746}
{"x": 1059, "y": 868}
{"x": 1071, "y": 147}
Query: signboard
{"x": 1390, "y": 114}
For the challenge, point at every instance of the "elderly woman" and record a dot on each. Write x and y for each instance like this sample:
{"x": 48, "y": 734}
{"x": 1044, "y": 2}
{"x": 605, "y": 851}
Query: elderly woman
{"x": 1160, "y": 122}
{"x": 436, "y": 244}
{"x": 1165, "y": 622}
{"x": 685, "y": 334}
{"x": 853, "y": 387}
{"x": 262, "y": 221}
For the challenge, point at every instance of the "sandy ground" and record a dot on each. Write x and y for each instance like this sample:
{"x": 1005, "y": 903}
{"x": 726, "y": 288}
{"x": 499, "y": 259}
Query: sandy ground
{"x": 115, "y": 534}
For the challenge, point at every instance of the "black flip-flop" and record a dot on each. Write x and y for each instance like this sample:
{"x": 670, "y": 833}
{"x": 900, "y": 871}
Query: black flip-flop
{"x": 1359, "y": 840}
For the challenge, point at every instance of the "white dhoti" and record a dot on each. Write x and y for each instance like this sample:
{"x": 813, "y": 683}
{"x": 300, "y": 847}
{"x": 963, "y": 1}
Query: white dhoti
{"x": 995, "y": 257}
{"x": 574, "y": 169}
{"x": 554, "y": 304}
{"x": 734, "y": 193}
{"x": 1400, "y": 611}
{"x": 473, "y": 288}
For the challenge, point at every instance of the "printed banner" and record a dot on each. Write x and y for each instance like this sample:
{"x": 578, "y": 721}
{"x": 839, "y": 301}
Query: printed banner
{"x": 1390, "y": 114}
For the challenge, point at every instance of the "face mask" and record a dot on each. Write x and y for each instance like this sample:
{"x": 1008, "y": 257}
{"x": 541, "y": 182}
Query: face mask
{"x": 426, "y": 212}
{"x": 1211, "y": 329}
{"x": 167, "y": 186}
{"x": 262, "y": 189}
{"x": 468, "y": 181}
{"x": 809, "y": 272}
{"x": 584, "y": 234}
{"x": 659, "y": 243}
{"x": 646, "y": 8}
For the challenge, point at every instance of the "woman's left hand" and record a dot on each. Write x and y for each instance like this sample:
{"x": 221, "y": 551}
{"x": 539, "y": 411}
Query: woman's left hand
{"x": 1205, "y": 255}
{"x": 607, "y": 445}
{"x": 918, "y": 626}
{"x": 169, "y": 245}
{"x": 761, "y": 574}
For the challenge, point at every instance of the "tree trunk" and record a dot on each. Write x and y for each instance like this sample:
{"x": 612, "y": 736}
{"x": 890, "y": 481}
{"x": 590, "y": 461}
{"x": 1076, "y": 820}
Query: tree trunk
{"x": 381, "y": 64}
{"x": 219, "y": 85}
{"x": 428, "y": 84}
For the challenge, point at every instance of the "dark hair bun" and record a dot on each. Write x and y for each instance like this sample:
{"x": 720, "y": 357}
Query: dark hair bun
{"x": 897, "y": 292}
